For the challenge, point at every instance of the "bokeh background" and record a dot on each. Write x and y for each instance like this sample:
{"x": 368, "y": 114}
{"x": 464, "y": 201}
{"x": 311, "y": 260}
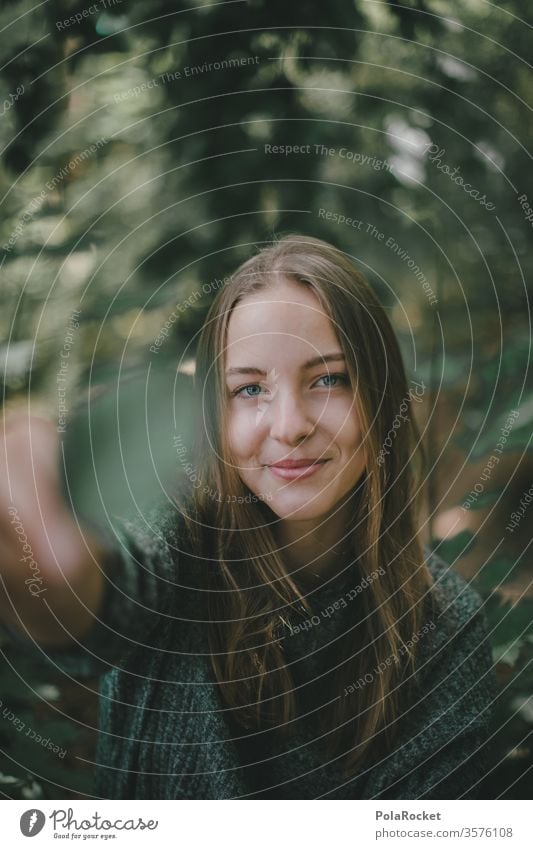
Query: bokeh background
{"x": 144, "y": 156}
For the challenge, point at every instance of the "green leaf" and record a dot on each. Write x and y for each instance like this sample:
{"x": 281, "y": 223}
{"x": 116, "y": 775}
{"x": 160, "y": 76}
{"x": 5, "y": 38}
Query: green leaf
{"x": 494, "y": 573}
{"x": 508, "y": 624}
{"x": 453, "y": 548}
{"x": 508, "y": 653}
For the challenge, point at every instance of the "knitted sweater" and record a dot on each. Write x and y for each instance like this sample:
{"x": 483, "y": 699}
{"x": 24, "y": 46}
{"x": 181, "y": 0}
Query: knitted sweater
{"x": 166, "y": 734}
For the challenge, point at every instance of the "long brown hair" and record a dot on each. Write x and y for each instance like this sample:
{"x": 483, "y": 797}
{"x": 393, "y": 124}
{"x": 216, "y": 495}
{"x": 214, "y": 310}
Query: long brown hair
{"x": 249, "y": 580}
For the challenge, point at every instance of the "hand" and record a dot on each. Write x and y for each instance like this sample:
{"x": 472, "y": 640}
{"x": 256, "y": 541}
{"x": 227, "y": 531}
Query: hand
{"x": 48, "y": 564}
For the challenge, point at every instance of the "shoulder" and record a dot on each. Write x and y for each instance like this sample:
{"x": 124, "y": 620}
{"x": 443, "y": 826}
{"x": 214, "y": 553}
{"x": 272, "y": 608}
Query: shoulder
{"x": 455, "y": 610}
{"x": 452, "y": 592}
{"x": 158, "y": 532}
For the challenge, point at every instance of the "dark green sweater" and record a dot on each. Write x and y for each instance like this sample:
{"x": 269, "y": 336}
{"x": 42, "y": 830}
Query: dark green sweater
{"x": 165, "y": 734}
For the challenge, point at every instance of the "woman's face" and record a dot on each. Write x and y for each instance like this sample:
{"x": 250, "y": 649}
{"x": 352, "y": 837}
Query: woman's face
{"x": 290, "y": 400}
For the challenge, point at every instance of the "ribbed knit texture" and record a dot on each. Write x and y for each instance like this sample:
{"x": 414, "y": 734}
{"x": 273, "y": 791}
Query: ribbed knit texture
{"x": 165, "y": 734}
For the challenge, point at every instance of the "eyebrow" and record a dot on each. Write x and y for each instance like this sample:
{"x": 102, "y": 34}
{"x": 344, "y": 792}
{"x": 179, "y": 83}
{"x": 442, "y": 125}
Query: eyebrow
{"x": 315, "y": 361}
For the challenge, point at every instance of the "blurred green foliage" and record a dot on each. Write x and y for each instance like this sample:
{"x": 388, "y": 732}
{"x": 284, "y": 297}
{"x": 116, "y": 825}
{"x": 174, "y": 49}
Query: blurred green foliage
{"x": 134, "y": 178}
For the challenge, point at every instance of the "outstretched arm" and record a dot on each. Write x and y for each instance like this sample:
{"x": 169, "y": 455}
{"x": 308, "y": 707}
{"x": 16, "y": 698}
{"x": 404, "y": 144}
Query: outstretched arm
{"x": 51, "y": 582}
{"x": 82, "y": 595}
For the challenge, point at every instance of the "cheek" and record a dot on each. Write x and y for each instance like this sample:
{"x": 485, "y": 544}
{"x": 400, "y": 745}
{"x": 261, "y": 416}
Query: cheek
{"x": 354, "y": 436}
{"x": 349, "y": 438}
{"x": 243, "y": 434}
{"x": 342, "y": 422}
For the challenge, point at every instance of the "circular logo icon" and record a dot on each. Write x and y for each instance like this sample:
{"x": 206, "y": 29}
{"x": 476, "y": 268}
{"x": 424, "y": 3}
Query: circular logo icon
{"x": 32, "y": 822}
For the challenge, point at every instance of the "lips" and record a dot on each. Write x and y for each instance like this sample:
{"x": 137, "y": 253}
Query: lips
{"x": 296, "y": 470}
{"x": 296, "y": 464}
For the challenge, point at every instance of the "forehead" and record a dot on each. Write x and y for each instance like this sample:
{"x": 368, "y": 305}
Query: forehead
{"x": 284, "y": 312}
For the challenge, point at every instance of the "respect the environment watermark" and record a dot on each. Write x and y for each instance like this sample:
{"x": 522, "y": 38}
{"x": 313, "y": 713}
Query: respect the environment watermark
{"x": 185, "y": 73}
{"x": 370, "y": 229}
{"x": 36, "y": 203}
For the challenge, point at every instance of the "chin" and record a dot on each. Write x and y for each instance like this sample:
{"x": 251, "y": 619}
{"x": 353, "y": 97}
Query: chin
{"x": 300, "y": 509}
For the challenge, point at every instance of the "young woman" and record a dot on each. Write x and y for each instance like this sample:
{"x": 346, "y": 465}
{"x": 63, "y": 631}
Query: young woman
{"x": 276, "y": 630}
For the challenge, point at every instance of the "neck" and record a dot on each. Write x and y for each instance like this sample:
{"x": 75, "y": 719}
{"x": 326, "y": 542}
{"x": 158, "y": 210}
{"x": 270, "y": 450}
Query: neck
{"x": 316, "y": 548}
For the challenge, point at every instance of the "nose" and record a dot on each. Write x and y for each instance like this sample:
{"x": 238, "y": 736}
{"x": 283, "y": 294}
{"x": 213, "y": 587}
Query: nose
{"x": 289, "y": 417}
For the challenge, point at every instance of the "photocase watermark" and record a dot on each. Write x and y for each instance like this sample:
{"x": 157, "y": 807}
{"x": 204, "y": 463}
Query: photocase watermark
{"x": 435, "y": 157}
{"x": 11, "y": 99}
{"x": 194, "y": 478}
{"x": 370, "y": 229}
{"x": 35, "y": 583}
{"x": 518, "y": 515}
{"x": 65, "y": 820}
{"x": 401, "y": 416}
{"x": 186, "y": 73}
{"x": 353, "y": 156}
{"x": 29, "y": 732}
{"x": 94, "y": 9}
{"x": 32, "y": 822}
{"x": 492, "y": 462}
{"x": 61, "y": 376}
{"x": 526, "y": 208}
{"x": 182, "y": 308}
{"x": 35, "y": 204}
{"x": 341, "y": 602}
{"x": 369, "y": 677}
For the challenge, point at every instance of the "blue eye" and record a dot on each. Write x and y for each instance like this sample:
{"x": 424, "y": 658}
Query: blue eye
{"x": 342, "y": 377}
{"x": 249, "y": 386}
{"x": 244, "y": 391}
